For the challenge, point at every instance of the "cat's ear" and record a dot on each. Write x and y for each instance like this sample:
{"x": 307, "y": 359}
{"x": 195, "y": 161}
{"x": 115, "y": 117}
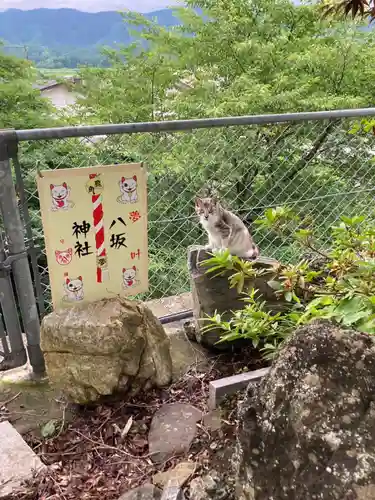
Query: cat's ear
{"x": 134, "y": 268}
{"x": 214, "y": 201}
{"x": 135, "y": 178}
{"x": 122, "y": 179}
{"x": 51, "y": 186}
{"x": 67, "y": 281}
{"x": 80, "y": 278}
{"x": 198, "y": 202}
{"x": 65, "y": 185}
{"x": 123, "y": 269}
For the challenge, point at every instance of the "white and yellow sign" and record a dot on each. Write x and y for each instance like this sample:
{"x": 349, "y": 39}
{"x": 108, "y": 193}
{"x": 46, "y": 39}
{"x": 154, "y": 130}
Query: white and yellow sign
{"x": 95, "y": 229}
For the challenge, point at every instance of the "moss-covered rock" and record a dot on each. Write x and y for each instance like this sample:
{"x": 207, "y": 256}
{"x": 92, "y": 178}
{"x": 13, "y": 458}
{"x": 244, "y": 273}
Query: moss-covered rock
{"x": 307, "y": 431}
{"x": 104, "y": 347}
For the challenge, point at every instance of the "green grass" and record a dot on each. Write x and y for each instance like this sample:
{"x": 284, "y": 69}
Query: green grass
{"x": 56, "y": 73}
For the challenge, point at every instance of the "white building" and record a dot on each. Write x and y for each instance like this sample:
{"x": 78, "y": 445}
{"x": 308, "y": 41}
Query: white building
{"x": 60, "y": 93}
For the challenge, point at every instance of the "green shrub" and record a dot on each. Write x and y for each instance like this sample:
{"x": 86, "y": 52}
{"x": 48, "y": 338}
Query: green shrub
{"x": 335, "y": 283}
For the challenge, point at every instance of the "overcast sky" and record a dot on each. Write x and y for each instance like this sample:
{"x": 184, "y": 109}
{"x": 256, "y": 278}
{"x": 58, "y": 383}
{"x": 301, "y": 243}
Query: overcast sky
{"x": 89, "y": 5}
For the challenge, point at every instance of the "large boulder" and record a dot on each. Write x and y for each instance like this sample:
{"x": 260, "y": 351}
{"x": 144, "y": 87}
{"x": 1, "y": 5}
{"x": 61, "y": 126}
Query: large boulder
{"x": 307, "y": 430}
{"x": 106, "y": 346}
{"x": 213, "y": 294}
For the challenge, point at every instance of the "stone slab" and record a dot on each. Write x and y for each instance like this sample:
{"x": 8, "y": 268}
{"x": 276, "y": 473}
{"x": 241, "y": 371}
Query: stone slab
{"x": 30, "y": 402}
{"x": 212, "y": 420}
{"x": 170, "y": 305}
{"x": 186, "y": 354}
{"x": 222, "y": 387}
{"x": 145, "y": 492}
{"x": 172, "y": 431}
{"x": 178, "y": 475}
{"x": 18, "y": 461}
{"x": 172, "y": 492}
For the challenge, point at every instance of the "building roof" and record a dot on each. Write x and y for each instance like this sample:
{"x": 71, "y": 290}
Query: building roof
{"x": 54, "y": 83}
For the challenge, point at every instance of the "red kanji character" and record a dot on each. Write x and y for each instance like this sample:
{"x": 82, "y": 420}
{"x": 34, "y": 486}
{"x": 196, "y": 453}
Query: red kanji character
{"x": 133, "y": 255}
{"x": 134, "y": 216}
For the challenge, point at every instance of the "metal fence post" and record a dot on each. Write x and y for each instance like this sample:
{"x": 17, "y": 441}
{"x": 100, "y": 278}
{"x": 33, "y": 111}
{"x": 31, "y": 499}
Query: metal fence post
{"x": 17, "y": 356}
{"x": 32, "y": 249}
{"x": 17, "y": 251}
{"x": 4, "y": 340}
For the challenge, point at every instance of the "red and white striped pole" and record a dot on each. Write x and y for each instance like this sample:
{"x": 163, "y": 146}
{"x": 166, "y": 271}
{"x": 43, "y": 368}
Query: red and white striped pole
{"x": 101, "y": 253}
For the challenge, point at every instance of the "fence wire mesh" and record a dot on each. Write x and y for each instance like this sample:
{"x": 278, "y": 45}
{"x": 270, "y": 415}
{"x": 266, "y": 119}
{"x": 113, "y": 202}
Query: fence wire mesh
{"x": 318, "y": 168}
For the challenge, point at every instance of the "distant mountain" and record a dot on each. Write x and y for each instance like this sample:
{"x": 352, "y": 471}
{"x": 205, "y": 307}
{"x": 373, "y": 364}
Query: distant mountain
{"x": 87, "y": 5}
{"x": 54, "y": 28}
{"x": 67, "y": 38}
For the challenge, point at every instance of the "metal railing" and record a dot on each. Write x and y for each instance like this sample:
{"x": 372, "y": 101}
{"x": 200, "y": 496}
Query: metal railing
{"x": 311, "y": 162}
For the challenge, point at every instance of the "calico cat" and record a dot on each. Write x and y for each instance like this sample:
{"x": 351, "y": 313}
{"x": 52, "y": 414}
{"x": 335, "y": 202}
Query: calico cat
{"x": 225, "y": 230}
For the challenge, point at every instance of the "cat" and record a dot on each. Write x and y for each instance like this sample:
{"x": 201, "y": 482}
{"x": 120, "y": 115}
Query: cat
{"x": 128, "y": 277}
{"x": 73, "y": 289}
{"x": 64, "y": 257}
{"x": 128, "y": 189}
{"x": 60, "y": 197}
{"x": 225, "y": 230}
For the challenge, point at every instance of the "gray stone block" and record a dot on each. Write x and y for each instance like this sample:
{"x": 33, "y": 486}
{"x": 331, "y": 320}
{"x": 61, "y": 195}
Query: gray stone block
{"x": 18, "y": 461}
{"x": 222, "y": 387}
{"x": 211, "y": 294}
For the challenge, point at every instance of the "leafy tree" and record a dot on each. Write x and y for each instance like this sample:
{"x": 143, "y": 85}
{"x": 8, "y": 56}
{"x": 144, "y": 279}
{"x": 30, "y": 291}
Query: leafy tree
{"x": 20, "y": 104}
{"x": 356, "y": 8}
{"x": 240, "y": 58}
{"x": 235, "y": 58}
{"x": 232, "y": 58}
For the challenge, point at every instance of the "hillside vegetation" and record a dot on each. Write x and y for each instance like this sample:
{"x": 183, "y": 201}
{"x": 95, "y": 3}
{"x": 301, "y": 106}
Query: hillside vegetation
{"x": 66, "y": 37}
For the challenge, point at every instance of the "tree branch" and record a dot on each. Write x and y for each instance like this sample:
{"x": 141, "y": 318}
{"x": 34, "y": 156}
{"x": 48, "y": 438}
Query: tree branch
{"x": 153, "y": 94}
{"x": 309, "y": 155}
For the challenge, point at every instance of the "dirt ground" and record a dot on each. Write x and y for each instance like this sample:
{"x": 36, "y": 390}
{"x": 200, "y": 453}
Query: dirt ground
{"x": 102, "y": 451}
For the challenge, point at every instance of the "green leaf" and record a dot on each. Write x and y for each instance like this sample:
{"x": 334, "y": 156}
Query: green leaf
{"x": 367, "y": 327}
{"x": 270, "y": 215}
{"x": 350, "y": 305}
{"x": 303, "y": 233}
{"x": 352, "y": 318}
{"x": 324, "y": 300}
{"x": 312, "y": 275}
{"x": 358, "y": 219}
{"x": 269, "y": 346}
{"x": 230, "y": 337}
{"x": 294, "y": 317}
{"x": 213, "y": 269}
{"x": 48, "y": 430}
{"x": 348, "y": 221}
{"x": 275, "y": 285}
{"x": 295, "y": 298}
{"x": 356, "y": 127}
{"x": 288, "y": 296}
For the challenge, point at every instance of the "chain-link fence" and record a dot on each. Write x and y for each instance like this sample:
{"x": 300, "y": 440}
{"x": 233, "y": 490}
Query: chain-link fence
{"x": 318, "y": 167}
